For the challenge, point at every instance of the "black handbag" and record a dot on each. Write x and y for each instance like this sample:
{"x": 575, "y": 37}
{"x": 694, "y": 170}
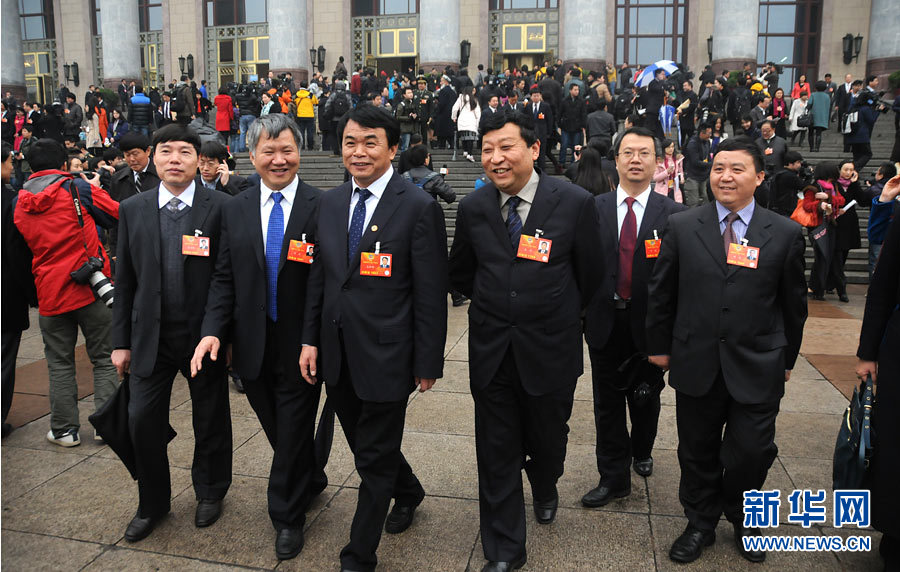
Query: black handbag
{"x": 804, "y": 120}
{"x": 642, "y": 379}
{"x": 854, "y": 449}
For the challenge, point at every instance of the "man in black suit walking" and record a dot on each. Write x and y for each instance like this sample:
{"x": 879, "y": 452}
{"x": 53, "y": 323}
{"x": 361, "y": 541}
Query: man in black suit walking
{"x": 139, "y": 176}
{"x": 542, "y": 114}
{"x": 525, "y": 349}
{"x": 162, "y": 280}
{"x": 258, "y": 294}
{"x": 727, "y": 305}
{"x": 379, "y": 332}
{"x": 632, "y": 221}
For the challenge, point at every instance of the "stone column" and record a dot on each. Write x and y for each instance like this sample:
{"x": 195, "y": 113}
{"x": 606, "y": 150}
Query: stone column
{"x": 121, "y": 42}
{"x": 12, "y": 73}
{"x": 288, "y": 48}
{"x": 735, "y": 33}
{"x": 582, "y": 19}
{"x": 884, "y": 41}
{"x": 439, "y": 35}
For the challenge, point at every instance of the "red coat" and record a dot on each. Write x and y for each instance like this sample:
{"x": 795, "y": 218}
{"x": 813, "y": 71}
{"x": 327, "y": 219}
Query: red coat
{"x": 811, "y": 203}
{"x": 224, "y": 112}
{"x": 48, "y": 222}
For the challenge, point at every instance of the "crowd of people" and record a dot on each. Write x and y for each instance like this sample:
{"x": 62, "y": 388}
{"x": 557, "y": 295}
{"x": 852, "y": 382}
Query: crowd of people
{"x": 171, "y": 263}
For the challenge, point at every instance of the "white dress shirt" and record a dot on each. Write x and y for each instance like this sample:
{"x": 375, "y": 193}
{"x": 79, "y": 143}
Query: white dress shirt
{"x": 186, "y": 197}
{"x": 526, "y": 194}
{"x": 639, "y": 206}
{"x": 266, "y": 203}
{"x": 377, "y": 189}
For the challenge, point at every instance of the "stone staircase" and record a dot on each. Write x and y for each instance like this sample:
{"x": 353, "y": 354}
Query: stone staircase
{"x": 324, "y": 170}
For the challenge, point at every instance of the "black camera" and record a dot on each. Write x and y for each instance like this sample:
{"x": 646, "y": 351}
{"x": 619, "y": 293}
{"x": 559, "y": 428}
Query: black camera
{"x": 91, "y": 273}
{"x": 805, "y": 173}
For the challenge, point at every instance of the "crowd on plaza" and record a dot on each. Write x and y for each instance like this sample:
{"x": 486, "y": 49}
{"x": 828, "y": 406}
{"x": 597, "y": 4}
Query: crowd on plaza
{"x": 673, "y": 247}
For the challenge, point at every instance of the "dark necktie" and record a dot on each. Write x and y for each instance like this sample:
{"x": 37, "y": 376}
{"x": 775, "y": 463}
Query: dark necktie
{"x": 728, "y": 237}
{"x": 513, "y": 221}
{"x": 357, "y": 222}
{"x": 138, "y": 180}
{"x": 173, "y": 204}
{"x": 536, "y": 111}
{"x": 627, "y": 241}
{"x": 274, "y": 238}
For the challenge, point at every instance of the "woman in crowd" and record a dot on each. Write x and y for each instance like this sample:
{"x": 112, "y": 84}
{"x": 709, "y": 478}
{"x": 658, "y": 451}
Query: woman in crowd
{"x": 778, "y": 111}
{"x": 824, "y": 201}
{"x": 95, "y": 117}
{"x": 118, "y": 127}
{"x": 268, "y": 105}
{"x": 718, "y": 134}
{"x": 847, "y": 221}
{"x": 669, "y": 174}
{"x": 18, "y": 122}
{"x": 819, "y": 109}
{"x": 800, "y": 86}
{"x": 224, "y": 112}
{"x": 466, "y": 113}
{"x": 798, "y": 107}
{"x": 590, "y": 175}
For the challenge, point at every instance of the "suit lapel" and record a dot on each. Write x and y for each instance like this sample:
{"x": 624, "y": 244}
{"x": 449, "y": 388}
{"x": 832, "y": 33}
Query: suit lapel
{"x": 757, "y": 235}
{"x": 300, "y": 212}
{"x": 609, "y": 221}
{"x": 342, "y": 216}
{"x": 199, "y": 210}
{"x": 708, "y": 232}
{"x": 545, "y": 200}
{"x": 650, "y": 220}
{"x": 491, "y": 210}
{"x": 150, "y": 218}
{"x": 253, "y": 222}
{"x": 388, "y": 203}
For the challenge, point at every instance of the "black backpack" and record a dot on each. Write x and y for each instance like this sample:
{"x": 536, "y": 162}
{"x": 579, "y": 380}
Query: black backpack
{"x": 742, "y": 104}
{"x": 340, "y": 105}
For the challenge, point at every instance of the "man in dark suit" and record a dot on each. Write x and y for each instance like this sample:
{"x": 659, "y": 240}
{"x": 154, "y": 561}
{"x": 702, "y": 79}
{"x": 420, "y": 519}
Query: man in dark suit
{"x": 512, "y": 103}
{"x": 542, "y": 114}
{"x": 139, "y": 176}
{"x": 161, "y": 289}
{"x": 525, "y": 348}
{"x": 380, "y": 334}
{"x": 632, "y": 221}
{"x": 257, "y": 294}
{"x": 841, "y": 100}
{"x": 653, "y": 98}
{"x": 730, "y": 328}
{"x": 214, "y": 170}
{"x": 772, "y": 147}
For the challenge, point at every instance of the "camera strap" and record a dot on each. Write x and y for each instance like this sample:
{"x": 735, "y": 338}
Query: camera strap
{"x": 76, "y": 200}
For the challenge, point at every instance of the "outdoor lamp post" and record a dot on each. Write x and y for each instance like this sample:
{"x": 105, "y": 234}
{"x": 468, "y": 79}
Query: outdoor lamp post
{"x": 321, "y": 52}
{"x": 709, "y": 43}
{"x": 851, "y": 47}
{"x": 190, "y": 66}
{"x": 312, "y": 58}
{"x": 181, "y": 64}
{"x": 465, "y": 51}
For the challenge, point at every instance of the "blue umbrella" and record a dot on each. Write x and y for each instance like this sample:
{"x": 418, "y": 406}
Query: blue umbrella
{"x": 647, "y": 74}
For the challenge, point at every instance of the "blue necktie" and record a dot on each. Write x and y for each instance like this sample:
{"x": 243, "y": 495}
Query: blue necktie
{"x": 513, "y": 222}
{"x": 357, "y": 222}
{"x": 274, "y": 238}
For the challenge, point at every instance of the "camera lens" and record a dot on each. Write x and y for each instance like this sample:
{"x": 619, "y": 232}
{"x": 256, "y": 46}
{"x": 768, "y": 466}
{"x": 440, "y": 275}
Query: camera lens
{"x": 103, "y": 288}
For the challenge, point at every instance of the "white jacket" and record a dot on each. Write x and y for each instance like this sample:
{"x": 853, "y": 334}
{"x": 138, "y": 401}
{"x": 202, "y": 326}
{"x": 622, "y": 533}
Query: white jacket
{"x": 797, "y": 109}
{"x": 466, "y": 118}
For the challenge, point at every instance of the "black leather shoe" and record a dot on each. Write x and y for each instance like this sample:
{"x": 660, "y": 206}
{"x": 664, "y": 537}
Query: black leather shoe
{"x": 208, "y": 512}
{"x": 545, "y": 511}
{"x": 818, "y": 297}
{"x": 844, "y": 298}
{"x": 140, "y": 528}
{"x": 399, "y": 519}
{"x": 739, "y": 533}
{"x": 689, "y": 545}
{"x": 238, "y": 384}
{"x": 644, "y": 467}
{"x": 603, "y": 495}
{"x": 505, "y": 566}
{"x": 288, "y": 543}
{"x": 459, "y": 300}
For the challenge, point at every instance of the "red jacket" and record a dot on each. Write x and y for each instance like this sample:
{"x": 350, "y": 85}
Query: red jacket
{"x": 355, "y": 84}
{"x": 224, "y": 112}
{"x": 45, "y": 215}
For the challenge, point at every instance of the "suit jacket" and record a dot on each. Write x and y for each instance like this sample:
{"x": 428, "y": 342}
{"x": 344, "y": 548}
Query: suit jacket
{"x": 774, "y": 161}
{"x": 137, "y": 310}
{"x": 600, "y": 314}
{"x": 842, "y": 99}
{"x": 18, "y": 287}
{"x": 393, "y": 328}
{"x": 234, "y": 187}
{"x": 542, "y": 127}
{"x": 710, "y": 316}
{"x": 534, "y": 307}
{"x": 237, "y": 299}
{"x": 122, "y": 186}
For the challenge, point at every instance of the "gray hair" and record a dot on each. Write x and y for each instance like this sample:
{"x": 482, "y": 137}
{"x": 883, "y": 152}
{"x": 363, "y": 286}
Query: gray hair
{"x": 273, "y": 124}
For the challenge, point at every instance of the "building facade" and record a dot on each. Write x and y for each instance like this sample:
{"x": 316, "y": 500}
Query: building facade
{"x": 81, "y": 42}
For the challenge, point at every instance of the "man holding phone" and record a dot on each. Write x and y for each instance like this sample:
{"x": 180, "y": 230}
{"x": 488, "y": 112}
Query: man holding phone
{"x": 214, "y": 171}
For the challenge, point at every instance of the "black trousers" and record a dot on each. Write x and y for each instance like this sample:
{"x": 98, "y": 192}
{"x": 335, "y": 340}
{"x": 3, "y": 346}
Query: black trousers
{"x": 515, "y": 430}
{"x": 546, "y": 153}
{"x": 716, "y": 469}
{"x": 862, "y": 153}
{"x": 615, "y": 447}
{"x": 286, "y": 409}
{"x": 828, "y": 266}
{"x": 148, "y": 423}
{"x": 374, "y": 431}
{"x": 10, "y": 349}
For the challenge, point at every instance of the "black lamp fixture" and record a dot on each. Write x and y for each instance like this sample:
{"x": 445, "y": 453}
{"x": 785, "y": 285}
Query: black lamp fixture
{"x": 851, "y": 47}
{"x": 190, "y": 66}
{"x": 71, "y": 72}
{"x": 181, "y": 61}
{"x": 321, "y": 52}
{"x": 465, "y": 51}
{"x": 709, "y": 44}
{"x": 312, "y": 58}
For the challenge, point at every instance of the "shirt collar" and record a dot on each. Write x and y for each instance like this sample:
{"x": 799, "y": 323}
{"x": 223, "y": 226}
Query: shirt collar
{"x": 186, "y": 196}
{"x": 377, "y": 188}
{"x": 745, "y": 214}
{"x": 288, "y": 193}
{"x": 642, "y": 198}
{"x": 527, "y": 193}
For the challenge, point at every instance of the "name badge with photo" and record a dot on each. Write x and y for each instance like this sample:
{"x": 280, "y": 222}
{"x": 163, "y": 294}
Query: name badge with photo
{"x": 534, "y": 248}
{"x": 301, "y": 251}
{"x": 375, "y": 264}
{"x": 743, "y": 255}
{"x": 195, "y": 245}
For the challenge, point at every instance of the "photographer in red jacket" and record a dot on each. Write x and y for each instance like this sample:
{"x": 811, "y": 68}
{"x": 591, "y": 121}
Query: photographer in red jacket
{"x": 57, "y": 215}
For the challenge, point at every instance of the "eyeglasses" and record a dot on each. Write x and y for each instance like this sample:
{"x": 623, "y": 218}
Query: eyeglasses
{"x": 629, "y": 154}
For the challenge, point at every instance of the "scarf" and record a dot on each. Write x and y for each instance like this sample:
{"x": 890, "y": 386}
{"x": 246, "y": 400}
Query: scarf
{"x": 826, "y": 185}
{"x": 844, "y": 183}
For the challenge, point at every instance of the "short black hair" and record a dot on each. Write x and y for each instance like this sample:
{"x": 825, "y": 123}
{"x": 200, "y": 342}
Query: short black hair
{"x": 747, "y": 117}
{"x": 46, "y": 154}
{"x": 406, "y": 88}
{"x": 827, "y": 171}
{"x": 888, "y": 170}
{"x": 745, "y": 144}
{"x": 871, "y": 78}
{"x": 792, "y": 157}
{"x": 856, "y": 82}
{"x": 704, "y": 125}
{"x": 635, "y": 120}
{"x": 770, "y": 122}
{"x": 417, "y": 155}
{"x": 415, "y": 139}
{"x": 71, "y": 96}
{"x": 214, "y": 150}
{"x": 111, "y": 154}
{"x": 641, "y": 132}
{"x": 134, "y": 140}
{"x": 524, "y": 121}
{"x": 5, "y": 152}
{"x": 177, "y": 132}
{"x": 374, "y": 118}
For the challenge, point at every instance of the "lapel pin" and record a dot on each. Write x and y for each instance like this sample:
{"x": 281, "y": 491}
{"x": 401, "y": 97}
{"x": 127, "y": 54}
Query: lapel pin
{"x": 374, "y": 228}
